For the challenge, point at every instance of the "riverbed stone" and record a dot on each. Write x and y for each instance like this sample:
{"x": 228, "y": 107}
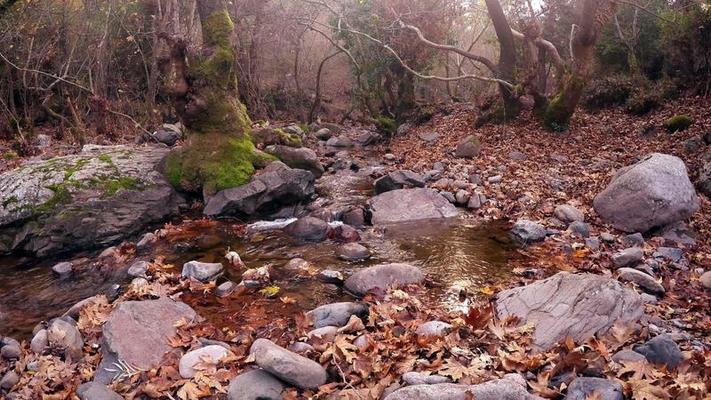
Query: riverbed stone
{"x": 202, "y": 271}
{"x": 576, "y": 305}
{"x": 88, "y": 200}
{"x": 510, "y": 387}
{"x": 661, "y": 350}
{"x": 706, "y": 279}
{"x": 336, "y": 314}
{"x": 353, "y": 252}
{"x": 419, "y": 378}
{"x": 225, "y": 289}
{"x": 63, "y": 269}
{"x": 10, "y": 349}
{"x": 653, "y": 193}
{"x": 191, "y": 359}
{"x": 138, "y": 269}
{"x": 383, "y": 276}
{"x": 469, "y": 147}
{"x": 138, "y": 333}
{"x": 10, "y": 379}
{"x": 96, "y": 391}
{"x": 300, "y": 158}
{"x": 65, "y": 335}
{"x": 407, "y": 205}
{"x": 579, "y": 228}
{"x": 398, "y": 180}
{"x": 256, "y": 384}
{"x": 568, "y": 213}
{"x": 644, "y": 281}
{"x": 628, "y": 257}
{"x": 39, "y": 342}
{"x": 266, "y": 193}
{"x": 433, "y": 329}
{"x": 633, "y": 240}
{"x": 527, "y": 231}
{"x": 628, "y": 356}
{"x": 288, "y": 366}
{"x": 308, "y": 229}
{"x": 584, "y": 388}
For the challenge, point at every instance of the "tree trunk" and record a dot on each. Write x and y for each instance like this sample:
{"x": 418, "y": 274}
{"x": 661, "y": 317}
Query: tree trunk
{"x": 507, "y": 58}
{"x": 219, "y": 153}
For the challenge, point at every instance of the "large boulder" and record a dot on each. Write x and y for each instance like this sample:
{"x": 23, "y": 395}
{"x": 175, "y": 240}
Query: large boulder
{"x": 397, "y": 180}
{"x": 288, "y": 366}
{"x": 575, "y": 305}
{"x": 87, "y": 200}
{"x": 653, "y": 193}
{"x": 405, "y": 205}
{"x": 510, "y": 387}
{"x": 383, "y": 276}
{"x": 300, "y": 158}
{"x": 267, "y": 192}
{"x": 138, "y": 333}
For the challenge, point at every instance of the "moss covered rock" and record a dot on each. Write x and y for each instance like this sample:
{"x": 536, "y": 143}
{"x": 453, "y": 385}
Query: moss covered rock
{"x": 678, "y": 123}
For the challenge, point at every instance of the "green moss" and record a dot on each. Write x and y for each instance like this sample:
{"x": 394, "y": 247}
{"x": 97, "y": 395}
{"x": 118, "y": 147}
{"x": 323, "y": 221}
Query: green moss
{"x": 10, "y": 200}
{"x": 105, "y": 158}
{"x": 678, "y": 123}
{"x": 60, "y": 195}
{"x": 69, "y": 172}
{"x": 218, "y": 29}
{"x": 113, "y": 186}
{"x": 386, "y": 125}
{"x": 10, "y": 155}
{"x": 288, "y": 139}
{"x": 304, "y": 127}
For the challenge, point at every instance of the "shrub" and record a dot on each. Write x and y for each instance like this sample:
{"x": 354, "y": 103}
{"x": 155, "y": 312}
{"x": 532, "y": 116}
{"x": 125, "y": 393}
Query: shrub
{"x": 642, "y": 102}
{"x": 386, "y": 125}
{"x": 607, "y": 92}
{"x": 678, "y": 123}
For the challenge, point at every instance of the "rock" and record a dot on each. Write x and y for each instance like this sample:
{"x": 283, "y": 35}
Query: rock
{"x": 627, "y": 356}
{"x": 191, "y": 359}
{"x": 428, "y": 137}
{"x": 330, "y": 276}
{"x": 265, "y": 193}
{"x": 139, "y": 282}
{"x": 495, "y": 179}
{"x": 439, "y": 166}
{"x": 661, "y": 350}
{"x": 644, "y": 281}
{"x": 138, "y": 269}
{"x": 43, "y": 141}
{"x": 288, "y": 366}
{"x": 526, "y": 231}
{"x": 634, "y": 239}
{"x": 10, "y": 349}
{"x": 299, "y": 265}
{"x": 672, "y": 254}
{"x": 475, "y": 202}
{"x": 449, "y": 196}
{"x": 300, "y": 158}
{"x": 585, "y": 388}
{"x": 576, "y": 305}
{"x": 301, "y": 348}
{"x": 9, "y": 380}
{"x": 166, "y": 136}
{"x": 518, "y": 156}
{"x": 568, "y": 213}
{"x": 336, "y": 314}
{"x": 225, "y": 289}
{"x": 138, "y": 333}
{"x": 202, "y": 271}
{"x": 398, "y": 180}
{"x": 256, "y": 277}
{"x": 419, "y": 378}
{"x": 354, "y": 217}
{"x": 39, "y": 342}
{"x": 579, "y": 228}
{"x": 75, "y": 311}
{"x": 96, "y": 391}
{"x": 462, "y": 197}
{"x": 325, "y": 334}
{"x": 628, "y": 257}
{"x": 607, "y": 237}
{"x": 309, "y": 229}
{"x": 339, "y": 141}
{"x": 65, "y": 336}
{"x": 652, "y": 193}
{"x": 704, "y": 181}
{"x": 432, "y": 329}
{"x": 405, "y": 205}
{"x": 592, "y": 243}
{"x": 366, "y": 138}
{"x": 353, "y": 252}
{"x": 255, "y": 385}
{"x": 382, "y": 276}
{"x": 706, "y": 279}
{"x": 323, "y": 134}
{"x": 88, "y": 200}
{"x": 694, "y": 144}
{"x": 63, "y": 269}
{"x": 146, "y": 242}
{"x": 510, "y": 387}
{"x": 469, "y": 147}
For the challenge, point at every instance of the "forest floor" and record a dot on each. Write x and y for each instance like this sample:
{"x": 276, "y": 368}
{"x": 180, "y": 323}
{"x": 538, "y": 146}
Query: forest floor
{"x": 555, "y": 168}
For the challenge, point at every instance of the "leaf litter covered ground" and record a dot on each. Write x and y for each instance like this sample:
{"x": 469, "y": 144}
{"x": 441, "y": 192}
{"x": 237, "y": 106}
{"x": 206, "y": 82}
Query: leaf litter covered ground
{"x": 480, "y": 347}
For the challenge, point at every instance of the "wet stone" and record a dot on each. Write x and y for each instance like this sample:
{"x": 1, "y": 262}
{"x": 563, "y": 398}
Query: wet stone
{"x": 336, "y": 314}
{"x": 203, "y": 272}
{"x": 661, "y": 350}
{"x": 353, "y": 252}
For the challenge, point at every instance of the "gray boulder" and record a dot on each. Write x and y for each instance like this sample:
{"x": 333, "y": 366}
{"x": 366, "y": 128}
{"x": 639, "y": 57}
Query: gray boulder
{"x": 267, "y": 192}
{"x": 576, "y": 305}
{"x": 10, "y": 379}
{"x": 336, "y": 314}
{"x": 65, "y": 336}
{"x": 469, "y": 147}
{"x": 653, "y": 193}
{"x": 568, "y": 213}
{"x": 398, "y": 180}
{"x": 406, "y": 205}
{"x": 190, "y": 360}
{"x": 585, "y": 388}
{"x": 96, "y": 391}
{"x": 309, "y": 229}
{"x": 382, "y": 276}
{"x": 510, "y": 387}
{"x": 300, "y": 158}
{"x": 288, "y": 366}
{"x": 92, "y": 199}
{"x": 137, "y": 332}
{"x": 138, "y": 269}
{"x": 202, "y": 271}
{"x": 255, "y": 385}
{"x": 643, "y": 280}
{"x": 526, "y": 231}
{"x": 339, "y": 141}
{"x": 661, "y": 350}
{"x": 628, "y": 257}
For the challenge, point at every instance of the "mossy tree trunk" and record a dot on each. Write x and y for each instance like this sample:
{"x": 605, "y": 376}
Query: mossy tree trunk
{"x": 507, "y": 59}
{"x": 219, "y": 153}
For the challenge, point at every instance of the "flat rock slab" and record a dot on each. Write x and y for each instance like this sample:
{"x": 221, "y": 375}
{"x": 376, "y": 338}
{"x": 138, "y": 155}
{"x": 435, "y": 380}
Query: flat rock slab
{"x": 87, "y": 200}
{"x": 510, "y": 387}
{"x": 383, "y": 276}
{"x": 288, "y": 366}
{"x": 137, "y": 333}
{"x": 406, "y": 205}
{"x": 576, "y": 305}
{"x": 653, "y": 193}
